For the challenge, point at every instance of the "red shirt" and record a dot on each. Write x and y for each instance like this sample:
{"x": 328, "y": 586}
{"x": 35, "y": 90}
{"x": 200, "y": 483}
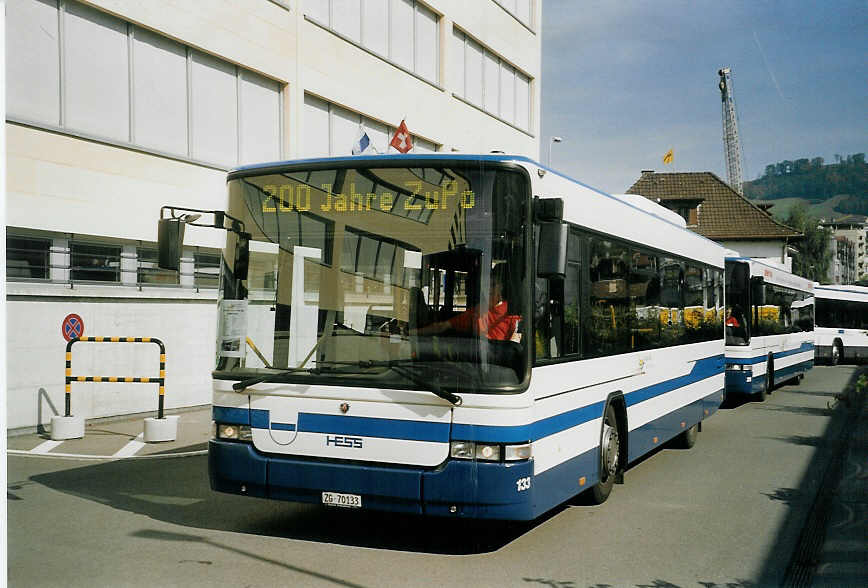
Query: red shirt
{"x": 496, "y": 324}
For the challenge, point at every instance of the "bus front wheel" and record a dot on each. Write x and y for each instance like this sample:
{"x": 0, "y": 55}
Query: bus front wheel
{"x": 610, "y": 457}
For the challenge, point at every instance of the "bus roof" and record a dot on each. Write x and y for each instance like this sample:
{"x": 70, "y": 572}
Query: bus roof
{"x": 775, "y": 274}
{"x": 841, "y": 292}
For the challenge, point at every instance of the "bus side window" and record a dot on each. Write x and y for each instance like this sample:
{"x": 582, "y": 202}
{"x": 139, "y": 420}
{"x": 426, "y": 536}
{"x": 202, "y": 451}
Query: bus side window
{"x": 557, "y": 308}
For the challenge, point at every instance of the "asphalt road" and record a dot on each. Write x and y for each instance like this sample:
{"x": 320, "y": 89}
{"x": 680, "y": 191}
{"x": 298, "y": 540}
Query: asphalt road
{"x": 726, "y": 513}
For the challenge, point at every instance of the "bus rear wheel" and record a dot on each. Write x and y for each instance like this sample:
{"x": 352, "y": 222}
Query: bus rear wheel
{"x": 837, "y": 352}
{"x": 687, "y": 438}
{"x": 610, "y": 457}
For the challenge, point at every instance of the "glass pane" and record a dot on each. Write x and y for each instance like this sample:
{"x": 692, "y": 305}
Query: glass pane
{"x": 401, "y": 33}
{"x": 315, "y": 127}
{"x": 96, "y": 73}
{"x": 457, "y": 62}
{"x": 426, "y": 44}
{"x": 375, "y": 23}
{"x": 317, "y": 10}
{"x": 206, "y": 269}
{"x": 522, "y": 101}
{"x": 473, "y": 72}
{"x": 100, "y": 263}
{"x": 347, "y": 18}
{"x": 149, "y": 272}
{"x": 160, "y": 87}
{"x": 33, "y": 60}
{"x": 260, "y": 119}
{"x": 608, "y": 328}
{"x": 507, "y": 92}
{"x": 444, "y": 299}
{"x": 491, "y": 85}
{"x": 214, "y": 110}
{"x": 27, "y": 258}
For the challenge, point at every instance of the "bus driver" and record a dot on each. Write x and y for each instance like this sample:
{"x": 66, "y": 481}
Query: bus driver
{"x": 497, "y": 324}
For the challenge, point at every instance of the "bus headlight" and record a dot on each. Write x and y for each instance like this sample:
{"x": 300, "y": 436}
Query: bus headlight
{"x": 734, "y": 367}
{"x": 489, "y": 451}
{"x": 228, "y": 432}
{"x": 462, "y": 449}
{"x": 517, "y": 452}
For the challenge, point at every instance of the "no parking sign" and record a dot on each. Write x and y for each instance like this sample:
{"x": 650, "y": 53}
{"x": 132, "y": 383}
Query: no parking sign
{"x": 72, "y": 327}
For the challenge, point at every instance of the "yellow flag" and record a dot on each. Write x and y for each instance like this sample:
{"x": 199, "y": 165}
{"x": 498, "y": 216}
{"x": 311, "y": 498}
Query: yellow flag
{"x": 668, "y": 157}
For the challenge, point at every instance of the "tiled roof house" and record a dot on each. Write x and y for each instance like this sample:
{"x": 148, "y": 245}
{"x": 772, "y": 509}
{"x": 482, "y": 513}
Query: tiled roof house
{"x": 714, "y": 210}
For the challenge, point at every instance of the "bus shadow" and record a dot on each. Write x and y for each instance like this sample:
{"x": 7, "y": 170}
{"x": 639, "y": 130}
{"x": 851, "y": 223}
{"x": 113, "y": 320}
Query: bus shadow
{"x": 177, "y": 491}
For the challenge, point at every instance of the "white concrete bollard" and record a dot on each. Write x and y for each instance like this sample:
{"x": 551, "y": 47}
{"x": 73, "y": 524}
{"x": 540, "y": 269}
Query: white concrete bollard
{"x": 67, "y": 427}
{"x": 165, "y": 429}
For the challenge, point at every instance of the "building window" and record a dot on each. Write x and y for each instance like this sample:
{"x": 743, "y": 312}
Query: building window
{"x": 148, "y": 271}
{"x": 520, "y": 9}
{"x": 330, "y": 129}
{"x": 487, "y": 81}
{"x": 95, "y": 263}
{"x": 403, "y": 32}
{"x": 27, "y": 258}
{"x": 206, "y": 269}
{"x": 132, "y": 86}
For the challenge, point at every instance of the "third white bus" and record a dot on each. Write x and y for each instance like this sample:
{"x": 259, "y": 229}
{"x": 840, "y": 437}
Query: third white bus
{"x": 842, "y": 323}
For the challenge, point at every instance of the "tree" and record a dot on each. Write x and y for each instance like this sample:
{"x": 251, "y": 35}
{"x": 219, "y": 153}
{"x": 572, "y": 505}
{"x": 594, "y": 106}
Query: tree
{"x": 814, "y": 258}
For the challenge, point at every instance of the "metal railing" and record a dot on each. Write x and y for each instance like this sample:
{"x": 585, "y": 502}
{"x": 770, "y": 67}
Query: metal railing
{"x": 161, "y": 380}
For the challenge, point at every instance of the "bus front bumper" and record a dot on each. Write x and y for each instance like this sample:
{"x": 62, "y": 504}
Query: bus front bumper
{"x": 457, "y": 488}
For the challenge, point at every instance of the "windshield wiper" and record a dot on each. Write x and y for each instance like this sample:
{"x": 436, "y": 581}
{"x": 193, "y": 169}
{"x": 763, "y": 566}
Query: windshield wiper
{"x": 399, "y": 368}
{"x": 402, "y": 368}
{"x": 274, "y": 377}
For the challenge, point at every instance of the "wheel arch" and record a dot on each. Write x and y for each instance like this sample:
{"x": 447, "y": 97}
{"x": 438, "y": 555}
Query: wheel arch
{"x": 619, "y": 404}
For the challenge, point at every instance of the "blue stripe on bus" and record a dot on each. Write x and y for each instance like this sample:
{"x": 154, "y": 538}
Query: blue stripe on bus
{"x": 803, "y": 348}
{"x": 374, "y": 427}
{"x": 439, "y": 432}
{"x": 257, "y": 418}
{"x": 704, "y": 368}
{"x": 282, "y": 426}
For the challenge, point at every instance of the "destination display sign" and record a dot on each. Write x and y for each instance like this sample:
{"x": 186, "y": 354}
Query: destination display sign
{"x": 297, "y": 197}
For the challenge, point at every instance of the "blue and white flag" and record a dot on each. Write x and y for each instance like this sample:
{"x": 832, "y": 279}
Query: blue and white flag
{"x": 363, "y": 142}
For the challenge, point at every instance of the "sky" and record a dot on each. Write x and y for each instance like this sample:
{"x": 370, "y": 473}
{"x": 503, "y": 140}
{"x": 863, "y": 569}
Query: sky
{"x": 624, "y": 81}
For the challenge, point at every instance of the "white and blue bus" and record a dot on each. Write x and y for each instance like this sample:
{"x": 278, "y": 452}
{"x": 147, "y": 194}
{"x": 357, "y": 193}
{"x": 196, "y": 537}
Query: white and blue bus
{"x": 769, "y": 327}
{"x": 842, "y": 323}
{"x": 451, "y": 335}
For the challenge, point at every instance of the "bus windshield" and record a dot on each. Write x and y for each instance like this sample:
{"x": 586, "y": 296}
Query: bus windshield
{"x": 737, "y": 321}
{"x": 379, "y": 276}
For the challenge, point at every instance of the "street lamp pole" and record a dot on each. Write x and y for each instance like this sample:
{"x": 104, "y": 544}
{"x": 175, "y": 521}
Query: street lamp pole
{"x": 552, "y": 142}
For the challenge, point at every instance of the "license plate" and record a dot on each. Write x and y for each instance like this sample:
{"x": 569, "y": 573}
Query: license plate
{"x": 345, "y": 500}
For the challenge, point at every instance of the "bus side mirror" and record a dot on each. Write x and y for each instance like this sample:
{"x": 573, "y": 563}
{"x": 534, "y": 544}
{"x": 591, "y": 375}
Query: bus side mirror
{"x": 170, "y": 239}
{"x": 552, "y": 250}
{"x": 757, "y": 291}
{"x": 242, "y": 257}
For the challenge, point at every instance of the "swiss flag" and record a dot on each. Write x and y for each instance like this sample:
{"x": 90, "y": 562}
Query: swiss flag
{"x": 402, "y": 141}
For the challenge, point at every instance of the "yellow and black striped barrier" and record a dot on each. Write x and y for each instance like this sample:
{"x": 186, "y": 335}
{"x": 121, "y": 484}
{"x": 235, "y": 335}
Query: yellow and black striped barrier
{"x": 123, "y": 379}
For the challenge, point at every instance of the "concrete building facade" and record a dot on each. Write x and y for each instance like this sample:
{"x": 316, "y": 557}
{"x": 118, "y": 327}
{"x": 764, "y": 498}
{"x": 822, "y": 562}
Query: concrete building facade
{"x": 853, "y": 228}
{"x": 842, "y": 269}
{"x": 118, "y": 107}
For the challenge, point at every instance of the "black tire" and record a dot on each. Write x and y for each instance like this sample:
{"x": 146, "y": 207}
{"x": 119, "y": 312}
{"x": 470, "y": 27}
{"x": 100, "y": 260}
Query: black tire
{"x": 686, "y": 439}
{"x": 770, "y": 377}
{"x": 610, "y": 457}
{"x": 837, "y": 353}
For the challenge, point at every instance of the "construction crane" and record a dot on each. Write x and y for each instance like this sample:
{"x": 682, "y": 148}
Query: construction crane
{"x": 731, "y": 143}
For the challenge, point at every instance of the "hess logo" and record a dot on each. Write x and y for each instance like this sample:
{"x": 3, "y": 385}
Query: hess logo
{"x": 341, "y": 441}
